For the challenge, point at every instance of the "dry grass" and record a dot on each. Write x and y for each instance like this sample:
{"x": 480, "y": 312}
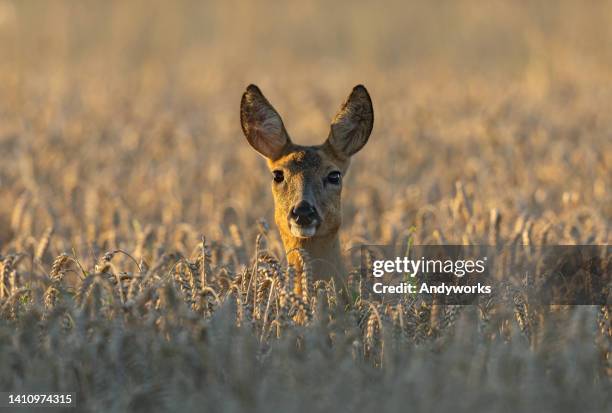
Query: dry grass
{"x": 120, "y": 149}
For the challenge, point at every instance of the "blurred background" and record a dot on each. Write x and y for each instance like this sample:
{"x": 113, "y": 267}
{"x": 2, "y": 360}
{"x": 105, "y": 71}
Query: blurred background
{"x": 115, "y": 115}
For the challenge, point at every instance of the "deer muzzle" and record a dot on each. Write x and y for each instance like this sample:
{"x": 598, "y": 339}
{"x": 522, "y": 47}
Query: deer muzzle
{"x": 304, "y": 220}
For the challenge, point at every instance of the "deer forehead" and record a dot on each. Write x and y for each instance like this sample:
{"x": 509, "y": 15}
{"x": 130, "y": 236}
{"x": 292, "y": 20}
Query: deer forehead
{"x": 308, "y": 160}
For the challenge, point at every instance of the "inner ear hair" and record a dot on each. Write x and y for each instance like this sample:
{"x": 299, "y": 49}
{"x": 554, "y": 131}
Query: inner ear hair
{"x": 262, "y": 125}
{"x": 352, "y": 125}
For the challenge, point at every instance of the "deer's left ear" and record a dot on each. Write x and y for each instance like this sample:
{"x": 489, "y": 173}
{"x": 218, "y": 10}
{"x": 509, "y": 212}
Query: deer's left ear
{"x": 352, "y": 125}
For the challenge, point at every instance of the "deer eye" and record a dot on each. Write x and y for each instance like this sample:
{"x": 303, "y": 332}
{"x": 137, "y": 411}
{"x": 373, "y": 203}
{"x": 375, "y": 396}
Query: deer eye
{"x": 278, "y": 176}
{"x": 334, "y": 177}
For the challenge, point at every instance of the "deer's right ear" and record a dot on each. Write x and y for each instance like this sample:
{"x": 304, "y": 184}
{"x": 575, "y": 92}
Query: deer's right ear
{"x": 262, "y": 125}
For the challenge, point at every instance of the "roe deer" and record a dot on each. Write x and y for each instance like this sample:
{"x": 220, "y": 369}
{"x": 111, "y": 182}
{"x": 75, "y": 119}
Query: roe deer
{"x": 307, "y": 180}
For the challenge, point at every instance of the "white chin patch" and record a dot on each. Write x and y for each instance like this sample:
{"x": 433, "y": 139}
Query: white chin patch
{"x": 302, "y": 232}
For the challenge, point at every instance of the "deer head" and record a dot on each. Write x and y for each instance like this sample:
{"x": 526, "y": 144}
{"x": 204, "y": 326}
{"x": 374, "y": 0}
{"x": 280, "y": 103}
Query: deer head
{"x": 307, "y": 180}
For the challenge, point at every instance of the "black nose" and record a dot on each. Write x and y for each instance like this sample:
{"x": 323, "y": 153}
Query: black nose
{"x": 303, "y": 213}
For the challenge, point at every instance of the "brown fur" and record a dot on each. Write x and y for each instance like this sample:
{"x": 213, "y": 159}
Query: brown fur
{"x": 305, "y": 169}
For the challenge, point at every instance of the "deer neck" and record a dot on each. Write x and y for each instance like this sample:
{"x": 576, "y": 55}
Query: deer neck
{"x": 324, "y": 252}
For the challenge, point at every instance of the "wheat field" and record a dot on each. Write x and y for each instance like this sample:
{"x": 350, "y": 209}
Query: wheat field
{"x": 140, "y": 264}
